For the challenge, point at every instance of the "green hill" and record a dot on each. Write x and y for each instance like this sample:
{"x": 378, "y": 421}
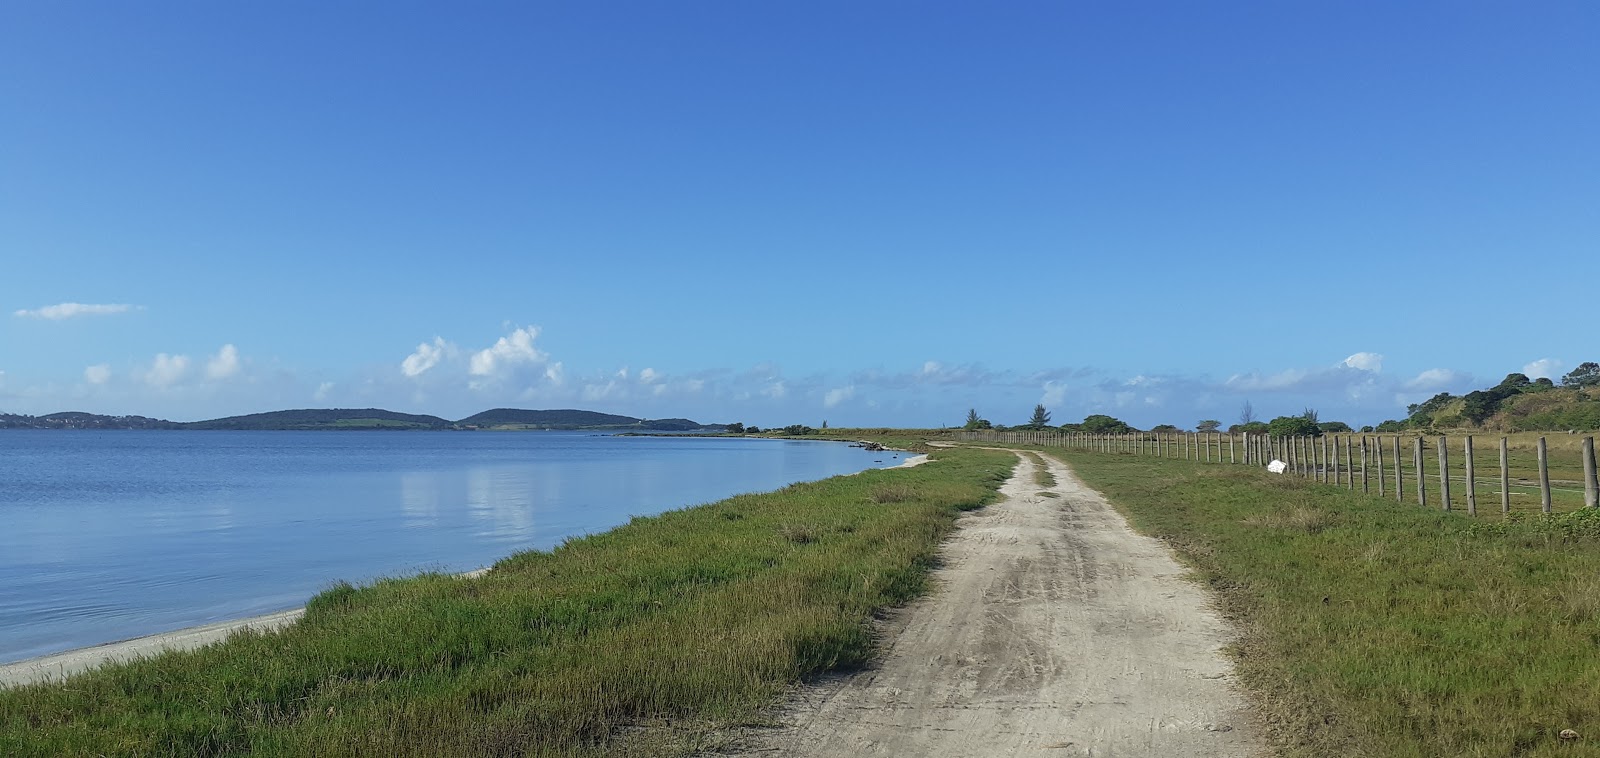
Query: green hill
{"x": 1516, "y": 404}
{"x": 572, "y": 419}
{"x": 324, "y": 418}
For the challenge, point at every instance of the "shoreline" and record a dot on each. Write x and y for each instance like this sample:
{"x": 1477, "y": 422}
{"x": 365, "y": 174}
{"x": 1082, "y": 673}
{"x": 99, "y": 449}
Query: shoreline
{"x": 56, "y": 667}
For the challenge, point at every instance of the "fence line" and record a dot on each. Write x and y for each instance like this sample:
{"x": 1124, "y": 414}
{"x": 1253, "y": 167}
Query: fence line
{"x": 1313, "y": 458}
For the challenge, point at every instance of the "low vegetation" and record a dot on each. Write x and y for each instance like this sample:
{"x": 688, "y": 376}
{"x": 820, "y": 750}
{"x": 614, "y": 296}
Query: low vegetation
{"x": 687, "y": 623}
{"x": 1515, "y": 404}
{"x": 1371, "y": 627}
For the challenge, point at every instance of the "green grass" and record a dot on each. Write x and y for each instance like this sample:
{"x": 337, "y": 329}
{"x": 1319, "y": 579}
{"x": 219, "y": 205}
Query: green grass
{"x": 1564, "y": 456}
{"x": 647, "y": 639}
{"x": 1372, "y": 628}
{"x": 1041, "y": 474}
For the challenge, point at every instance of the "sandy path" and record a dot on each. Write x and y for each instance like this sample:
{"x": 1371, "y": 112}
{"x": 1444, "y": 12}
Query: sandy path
{"x": 1055, "y": 630}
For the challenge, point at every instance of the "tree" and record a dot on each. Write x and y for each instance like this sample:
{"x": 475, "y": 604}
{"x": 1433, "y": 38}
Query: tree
{"x": 1293, "y": 426}
{"x": 1208, "y": 425}
{"x": 1334, "y": 427}
{"x": 1103, "y": 424}
{"x": 1587, "y": 374}
{"x": 824, "y": 423}
{"x": 972, "y": 419}
{"x": 1253, "y": 427}
{"x": 1165, "y": 429}
{"x": 1041, "y": 418}
{"x": 1247, "y": 414}
{"x": 1514, "y": 383}
{"x": 736, "y": 428}
{"x": 1310, "y": 414}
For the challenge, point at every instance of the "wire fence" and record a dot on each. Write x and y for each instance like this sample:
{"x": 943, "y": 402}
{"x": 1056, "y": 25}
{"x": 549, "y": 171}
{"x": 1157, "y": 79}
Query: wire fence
{"x": 1385, "y": 465}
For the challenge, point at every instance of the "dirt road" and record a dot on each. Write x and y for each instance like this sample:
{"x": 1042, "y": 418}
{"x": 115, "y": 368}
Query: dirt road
{"x": 1054, "y": 630}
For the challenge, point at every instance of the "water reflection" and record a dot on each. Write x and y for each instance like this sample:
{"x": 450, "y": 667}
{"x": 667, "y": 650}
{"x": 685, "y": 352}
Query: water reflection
{"x": 419, "y": 499}
{"x": 500, "y": 503}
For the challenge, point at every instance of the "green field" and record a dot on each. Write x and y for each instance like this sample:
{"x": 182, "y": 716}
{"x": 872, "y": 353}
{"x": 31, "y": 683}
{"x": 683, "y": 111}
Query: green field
{"x": 654, "y": 638}
{"x": 1374, "y": 628}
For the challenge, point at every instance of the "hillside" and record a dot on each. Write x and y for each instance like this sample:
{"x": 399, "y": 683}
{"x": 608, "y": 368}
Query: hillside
{"x": 1516, "y": 404}
{"x": 323, "y": 418}
{"x": 571, "y": 419}
{"x": 565, "y": 418}
{"x": 307, "y": 419}
{"x": 81, "y": 420}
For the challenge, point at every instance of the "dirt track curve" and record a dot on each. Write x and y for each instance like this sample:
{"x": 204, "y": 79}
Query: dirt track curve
{"x": 1054, "y": 630}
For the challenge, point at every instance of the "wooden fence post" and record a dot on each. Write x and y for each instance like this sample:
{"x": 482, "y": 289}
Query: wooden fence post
{"x": 1505, "y": 477}
{"x": 1322, "y": 470}
{"x": 1349, "y": 464}
{"x": 1472, "y": 481}
{"x": 1335, "y": 472}
{"x": 1364, "y": 485}
{"x": 1422, "y": 479}
{"x": 1399, "y": 479}
{"x": 1591, "y": 485}
{"x": 1444, "y": 471}
{"x": 1377, "y": 448}
{"x": 1544, "y": 477}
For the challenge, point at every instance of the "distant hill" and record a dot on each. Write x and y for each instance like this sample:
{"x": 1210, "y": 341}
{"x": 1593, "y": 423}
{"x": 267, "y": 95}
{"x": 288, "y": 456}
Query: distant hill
{"x": 81, "y": 420}
{"x": 324, "y": 418}
{"x": 565, "y": 418}
{"x": 366, "y": 418}
{"x": 1516, "y": 404}
{"x": 571, "y": 419}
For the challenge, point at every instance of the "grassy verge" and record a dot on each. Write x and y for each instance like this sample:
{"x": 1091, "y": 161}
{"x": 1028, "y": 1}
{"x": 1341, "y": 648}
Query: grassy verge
{"x": 1042, "y": 475}
{"x": 1372, "y": 628}
{"x": 688, "y": 622}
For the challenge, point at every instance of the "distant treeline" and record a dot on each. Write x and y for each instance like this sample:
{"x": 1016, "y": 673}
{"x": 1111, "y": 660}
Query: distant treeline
{"x": 1516, "y": 404}
{"x": 366, "y": 418}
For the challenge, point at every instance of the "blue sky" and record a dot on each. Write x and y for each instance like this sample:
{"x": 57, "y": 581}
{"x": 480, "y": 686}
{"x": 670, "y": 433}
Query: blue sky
{"x": 867, "y": 213}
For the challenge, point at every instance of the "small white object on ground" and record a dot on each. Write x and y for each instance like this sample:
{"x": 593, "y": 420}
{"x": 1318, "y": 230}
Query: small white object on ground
{"x": 1277, "y": 466}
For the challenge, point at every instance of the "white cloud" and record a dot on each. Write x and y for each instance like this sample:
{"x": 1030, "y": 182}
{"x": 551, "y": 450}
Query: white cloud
{"x": 98, "y": 374}
{"x": 1364, "y": 361}
{"x": 514, "y": 348}
{"x": 1278, "y": 381}
{"x": 426, "y": 357}
{"x": 224, "y": 364}
{"x": 166, "y": 370}
{"x": 648, "y": 376}
{"x": 838, "y": 395}
{"x": 553, "y": 372}
{"x": 599, "y": 391}
{"x": 69, "y": 310}
{"x": 1436, "y": 379}
{"x": 931, "y": 367}
{"x": 775, "y": 390}
{"x": 322, "y": 391}
{"x": 1544, "y": 368}
{"x": 1055, "y": 393}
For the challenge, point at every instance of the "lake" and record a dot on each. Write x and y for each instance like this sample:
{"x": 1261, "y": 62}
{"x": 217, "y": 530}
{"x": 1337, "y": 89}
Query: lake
{"x": 118, "y": 534}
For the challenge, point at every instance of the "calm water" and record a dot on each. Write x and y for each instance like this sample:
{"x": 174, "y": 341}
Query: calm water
{"x": 111, "y": 535}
